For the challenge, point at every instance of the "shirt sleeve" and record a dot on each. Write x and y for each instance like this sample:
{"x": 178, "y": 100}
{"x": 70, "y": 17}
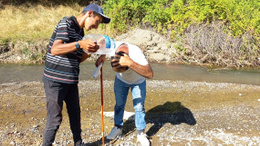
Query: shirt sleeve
{"x": 63, "y": 30}
{"x": 136, "y": 54}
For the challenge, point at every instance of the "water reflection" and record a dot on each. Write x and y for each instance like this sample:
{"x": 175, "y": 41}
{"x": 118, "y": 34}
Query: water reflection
{"x": 21, "y": 73}
{"x": 198, "y": 73}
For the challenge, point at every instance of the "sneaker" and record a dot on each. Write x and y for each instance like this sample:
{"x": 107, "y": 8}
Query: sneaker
{"x": 115, "y": 133}
{"x": 80, "y": 143}
{"x": 142, "y": 138}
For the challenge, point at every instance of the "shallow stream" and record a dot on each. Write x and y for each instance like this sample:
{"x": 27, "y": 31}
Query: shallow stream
{"x": 22, "y": 73}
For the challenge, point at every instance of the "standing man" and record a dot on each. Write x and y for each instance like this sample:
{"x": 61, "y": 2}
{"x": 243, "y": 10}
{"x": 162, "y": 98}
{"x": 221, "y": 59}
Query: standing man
{"x": 61, "y": 72}
{"x": 132, "y": 70}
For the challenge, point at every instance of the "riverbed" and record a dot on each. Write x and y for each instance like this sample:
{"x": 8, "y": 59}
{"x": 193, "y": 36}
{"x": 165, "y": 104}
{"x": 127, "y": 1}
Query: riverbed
{"x": 197, "y": 106}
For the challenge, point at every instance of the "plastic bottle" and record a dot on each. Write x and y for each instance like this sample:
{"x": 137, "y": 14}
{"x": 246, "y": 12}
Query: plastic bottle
{"x": 106, "y": 44}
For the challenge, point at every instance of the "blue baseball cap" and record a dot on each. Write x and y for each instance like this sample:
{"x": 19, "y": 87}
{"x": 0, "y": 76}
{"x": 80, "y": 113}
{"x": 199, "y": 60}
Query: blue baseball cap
{"x": 96, "y": 8}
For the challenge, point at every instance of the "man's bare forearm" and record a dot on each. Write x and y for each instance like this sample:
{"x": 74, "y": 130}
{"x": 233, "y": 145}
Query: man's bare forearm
{"x": 144, "y": 71}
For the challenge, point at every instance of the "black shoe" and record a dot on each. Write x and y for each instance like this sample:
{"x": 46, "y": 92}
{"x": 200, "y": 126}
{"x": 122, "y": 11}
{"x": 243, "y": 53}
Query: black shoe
{"x": 80, "y": 143}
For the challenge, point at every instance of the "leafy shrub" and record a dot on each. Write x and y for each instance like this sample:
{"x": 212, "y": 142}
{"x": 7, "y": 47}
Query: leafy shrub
{"x": 232, "y": 26}
{"x": 239, "y": 16}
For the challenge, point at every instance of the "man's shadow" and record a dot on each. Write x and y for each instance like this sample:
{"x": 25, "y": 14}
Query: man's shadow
{"x": 169, "y": 112}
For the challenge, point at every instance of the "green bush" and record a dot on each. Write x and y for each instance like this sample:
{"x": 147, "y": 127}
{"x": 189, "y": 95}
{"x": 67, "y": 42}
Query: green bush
{"x": 239, "y": 16}
{"x": 125, "y": 13}
{"x": 190, "y": 23}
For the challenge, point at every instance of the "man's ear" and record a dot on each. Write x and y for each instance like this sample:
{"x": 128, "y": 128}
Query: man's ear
{"x": 89, "y": 13}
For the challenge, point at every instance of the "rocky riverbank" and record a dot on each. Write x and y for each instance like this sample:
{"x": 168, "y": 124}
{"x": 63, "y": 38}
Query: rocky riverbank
{"x": 156, "y": 48}
{"x": 178, "y": 113}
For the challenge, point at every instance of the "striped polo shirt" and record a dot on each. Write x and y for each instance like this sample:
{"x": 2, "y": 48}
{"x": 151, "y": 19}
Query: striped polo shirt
{"x": 64, "y": 68}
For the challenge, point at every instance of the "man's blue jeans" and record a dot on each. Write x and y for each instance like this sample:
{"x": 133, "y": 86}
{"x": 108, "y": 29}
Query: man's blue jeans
{"x": 138, "y": 94}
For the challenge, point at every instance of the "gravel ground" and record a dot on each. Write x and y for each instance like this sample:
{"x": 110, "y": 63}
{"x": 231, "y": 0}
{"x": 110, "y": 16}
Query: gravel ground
{"x": 178, "y": 113}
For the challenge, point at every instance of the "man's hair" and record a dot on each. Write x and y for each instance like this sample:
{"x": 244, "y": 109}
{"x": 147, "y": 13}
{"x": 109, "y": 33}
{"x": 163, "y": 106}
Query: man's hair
{"x": 94, "y": 13}
{"x": 123, "y": 44}
{"x": 96, "y": 8}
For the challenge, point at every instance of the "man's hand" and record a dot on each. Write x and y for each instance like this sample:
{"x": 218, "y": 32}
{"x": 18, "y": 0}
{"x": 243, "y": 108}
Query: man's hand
{"x": 125, "y": 60}
{"x": 101, "y": 58}
{"x": 89, "y": 45}
{"x": 117, "y": 67}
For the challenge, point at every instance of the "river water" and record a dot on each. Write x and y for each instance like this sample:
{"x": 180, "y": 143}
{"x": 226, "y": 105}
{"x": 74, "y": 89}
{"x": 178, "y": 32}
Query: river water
{"x": 21, "y": 73}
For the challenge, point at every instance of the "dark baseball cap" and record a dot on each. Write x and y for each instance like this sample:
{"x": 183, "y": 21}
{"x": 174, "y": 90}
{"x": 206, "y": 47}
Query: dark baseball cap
{"x": 96, "y": 8}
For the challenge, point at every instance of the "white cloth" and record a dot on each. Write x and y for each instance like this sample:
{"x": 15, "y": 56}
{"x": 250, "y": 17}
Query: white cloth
{"x": 136, "y": 54}
{"x": 97, "y": 71}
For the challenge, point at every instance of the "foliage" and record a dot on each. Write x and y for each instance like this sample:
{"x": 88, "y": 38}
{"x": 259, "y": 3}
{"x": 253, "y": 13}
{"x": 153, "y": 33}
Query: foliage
{"x": 174, "y": 16}
{"x": 234, "y": 25}
{"x": 46, "y": 2}
{"x": 240, "y": 16}
{"x": 212, "y": 26}
{"x": 33, "y": 22}
{"x": 126, "y": 13}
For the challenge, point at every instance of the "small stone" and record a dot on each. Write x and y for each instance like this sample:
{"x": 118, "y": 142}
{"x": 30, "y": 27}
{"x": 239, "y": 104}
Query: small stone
{"x": 12, "y": 143}
{"x": 36, "y": 126}
{"x": 69, "y": 142}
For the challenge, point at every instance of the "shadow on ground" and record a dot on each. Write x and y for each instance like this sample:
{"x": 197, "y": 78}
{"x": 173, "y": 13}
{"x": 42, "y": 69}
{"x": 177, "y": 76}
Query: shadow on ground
{"x": 169, "y": 112}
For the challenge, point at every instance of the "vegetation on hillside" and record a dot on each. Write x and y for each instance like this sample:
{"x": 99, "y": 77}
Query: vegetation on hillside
{"x": 239, "y": 16}
{"x": 222, "y": 31}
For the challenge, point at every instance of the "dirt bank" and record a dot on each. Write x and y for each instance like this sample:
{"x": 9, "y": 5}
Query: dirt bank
{"x": 178, "y": 113}
{"x": 156, "y": 47}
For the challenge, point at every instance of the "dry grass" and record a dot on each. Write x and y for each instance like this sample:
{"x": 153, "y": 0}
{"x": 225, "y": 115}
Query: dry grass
{"x": 33, "y": 22}
{"x": 210, "y": 45}
{"x": 200, "y": 44}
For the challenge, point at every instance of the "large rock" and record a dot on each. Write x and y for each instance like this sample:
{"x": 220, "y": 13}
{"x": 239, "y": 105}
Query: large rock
{"x": 156, "y": 47}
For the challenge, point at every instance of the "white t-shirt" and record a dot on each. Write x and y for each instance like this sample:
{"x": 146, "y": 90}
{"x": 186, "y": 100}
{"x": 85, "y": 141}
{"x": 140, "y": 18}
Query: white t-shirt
{"x": 136, "y": 54}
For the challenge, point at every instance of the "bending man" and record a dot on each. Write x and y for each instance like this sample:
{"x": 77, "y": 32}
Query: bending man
{"x": 132, "y": 70}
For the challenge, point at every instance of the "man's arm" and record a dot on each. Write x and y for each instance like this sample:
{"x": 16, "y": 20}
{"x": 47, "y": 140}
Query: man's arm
{"x": 101, "y": 58}
{"x": 85, "y": 56}
{"x": 59, "y": 48}
{"x": 144, "y": 71}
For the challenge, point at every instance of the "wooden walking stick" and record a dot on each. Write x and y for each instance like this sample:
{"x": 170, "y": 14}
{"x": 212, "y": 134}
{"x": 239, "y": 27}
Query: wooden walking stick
{"x": 102, "y": 118}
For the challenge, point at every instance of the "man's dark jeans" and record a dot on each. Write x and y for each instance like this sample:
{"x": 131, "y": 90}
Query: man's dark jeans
{"x": 56, "y": 93}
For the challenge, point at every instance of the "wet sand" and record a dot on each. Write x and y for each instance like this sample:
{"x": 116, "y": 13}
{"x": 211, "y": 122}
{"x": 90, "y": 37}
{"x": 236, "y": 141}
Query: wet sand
{"x": 178, "y": 113}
